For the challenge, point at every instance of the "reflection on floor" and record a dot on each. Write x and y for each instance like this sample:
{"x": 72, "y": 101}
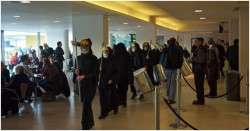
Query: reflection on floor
{"x": 216, "y": 114}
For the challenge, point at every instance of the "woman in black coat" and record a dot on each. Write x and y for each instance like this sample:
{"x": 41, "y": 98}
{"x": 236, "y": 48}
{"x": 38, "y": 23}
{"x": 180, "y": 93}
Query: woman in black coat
{"x": 107, "y": 83}
{"x": 87, "y": 76}
{"x": 125, "y": 72}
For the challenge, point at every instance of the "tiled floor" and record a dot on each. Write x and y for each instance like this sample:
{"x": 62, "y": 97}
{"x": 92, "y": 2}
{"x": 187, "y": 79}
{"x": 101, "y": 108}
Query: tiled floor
{"x": 216, "y": 114}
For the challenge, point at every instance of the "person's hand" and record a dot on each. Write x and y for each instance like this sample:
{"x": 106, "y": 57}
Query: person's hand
{"x": 110, "y": 82}
{"x": 73, "y": 43}
{"x": 80, "y": 78}
{"x": 145, "y": 67}
{"x": 147, "y": 57}
{"x": 77, "y": 71}
{"x": 100, "y": 69}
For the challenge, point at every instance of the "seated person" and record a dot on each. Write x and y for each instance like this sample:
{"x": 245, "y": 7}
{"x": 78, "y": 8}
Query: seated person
{"x": 25, "y": 64}
{"x": 52, "y": 61}
{"x": 48, "y": 71}
{"x": 5, "y": 72}
{"x": 40, "y": 64}
{"x": 33, "y": 59}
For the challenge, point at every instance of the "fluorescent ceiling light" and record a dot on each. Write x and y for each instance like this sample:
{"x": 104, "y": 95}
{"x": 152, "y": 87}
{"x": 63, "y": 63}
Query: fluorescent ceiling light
{"x": 77, "y": 12}
{"x": 125, "y": 23}
{"x": 56, "y": 21}
{"x": 118, "y": 29}
{"x": 13, "y": 23}
{"x": 198, "y": 11}
{"x": 203, "y": 18}
{"x": 25, "y": 1}
{"x": 16, "y": 16}
{"x": 138, "y": 26}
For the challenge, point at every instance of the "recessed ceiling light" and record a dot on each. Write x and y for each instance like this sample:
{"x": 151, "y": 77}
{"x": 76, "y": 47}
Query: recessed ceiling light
{"x": 16, "y": 16}
{"x": 203, "y": 18}
{"x": 118, "y": 29}
{"x": 108, "y": 19}
{"x": 56, "y": 21}
{"x": 77, "y": 12}
{"x": 138, "y": 26}
{"x": 25, "y": 1}
{"x": 46, "y": 26}
{"x": 198, "y": 11}
{"x": 13, "y": 23}
{"x": 125, "y": 23}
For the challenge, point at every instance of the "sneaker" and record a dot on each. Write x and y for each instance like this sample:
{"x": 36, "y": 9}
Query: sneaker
{"x": 141, "y": 97}
{"x": 102, "y": 116}
{"x": 134, "y": 95}
{"x": 197, "y": 102}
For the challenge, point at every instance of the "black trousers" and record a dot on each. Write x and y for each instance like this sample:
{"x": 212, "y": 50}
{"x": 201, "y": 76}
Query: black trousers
{"x": 234, "y": 67}
{"x": 87, "y": 113}
{"x": 132, "y": 88}
{"x": 61, "y": 64}
{"x": 105, "y": 93}
{"x": 122, "y": 93}
{"x": 213, "y": 87}
{"x": 199, "y": 84}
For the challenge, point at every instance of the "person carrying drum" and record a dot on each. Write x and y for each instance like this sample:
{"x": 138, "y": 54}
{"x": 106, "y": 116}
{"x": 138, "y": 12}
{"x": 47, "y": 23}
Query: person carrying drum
{"x": 87, "y": 76}
{"x": 137, "y": 60}
{"x": 125, "y": 72}
{"x": 107, "y": 83}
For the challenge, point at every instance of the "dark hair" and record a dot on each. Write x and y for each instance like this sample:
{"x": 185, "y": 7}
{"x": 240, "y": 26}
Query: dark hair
{"x": 59, "y": 42}
{"x": 236, "y": 41}
{"x": 24, "y": 57}
{"x": 40, "y": 47}
{"x": 200, "y": 39}
{"x": 46, "y": 61}
{"x": 172, "y": 41}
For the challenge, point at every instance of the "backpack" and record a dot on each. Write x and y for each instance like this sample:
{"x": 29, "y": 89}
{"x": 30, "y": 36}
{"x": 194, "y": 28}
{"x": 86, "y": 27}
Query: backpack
{"x": 166, "y": 58}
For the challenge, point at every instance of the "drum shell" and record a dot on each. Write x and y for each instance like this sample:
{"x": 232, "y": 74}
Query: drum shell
{"x": 186, "y": 69}
{"x": 143, "y": 81}
{"x": 159, "y": 73}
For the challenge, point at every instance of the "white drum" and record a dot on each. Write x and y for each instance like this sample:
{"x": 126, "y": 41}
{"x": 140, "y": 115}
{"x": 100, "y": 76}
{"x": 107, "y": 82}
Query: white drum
{"x": 143, "y": 81}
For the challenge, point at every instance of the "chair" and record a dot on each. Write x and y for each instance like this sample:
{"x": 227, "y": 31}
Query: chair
{"x": 23, "y": 88}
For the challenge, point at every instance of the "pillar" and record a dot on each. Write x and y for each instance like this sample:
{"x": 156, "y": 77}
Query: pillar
{"x": 2, "y": 46}
{"x": 243, "y": 45}
{"x": 38, "y": 43}
{"x": 65, "y": 45}
{"x": 233, "y": 30}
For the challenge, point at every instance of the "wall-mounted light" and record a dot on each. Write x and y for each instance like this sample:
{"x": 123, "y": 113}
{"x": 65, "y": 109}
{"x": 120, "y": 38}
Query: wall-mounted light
{"x": 198, "y": 11}
{"x": 203, "y": 18}
{"x": 16, "y": 16}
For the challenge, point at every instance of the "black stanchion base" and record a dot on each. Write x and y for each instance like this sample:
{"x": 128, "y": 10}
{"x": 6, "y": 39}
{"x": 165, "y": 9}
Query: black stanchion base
{"x": 244, "y": 112}
{"x": 178, "y": 126}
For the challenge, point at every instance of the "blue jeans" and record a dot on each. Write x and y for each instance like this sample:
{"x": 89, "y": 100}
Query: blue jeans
{"x": 171, "y": 83}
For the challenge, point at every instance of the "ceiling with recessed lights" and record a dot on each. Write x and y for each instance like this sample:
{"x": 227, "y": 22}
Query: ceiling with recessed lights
{"x": 40, "y": 16}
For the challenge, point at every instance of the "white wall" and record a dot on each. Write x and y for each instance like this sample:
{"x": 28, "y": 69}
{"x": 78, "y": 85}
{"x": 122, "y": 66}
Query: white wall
{"x": 53, "y": 36}
{"x": 146, "y": 34}
{"x": 233, "y": 30}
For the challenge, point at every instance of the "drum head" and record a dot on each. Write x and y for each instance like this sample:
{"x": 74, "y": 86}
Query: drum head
{"x": 139, "y": 71}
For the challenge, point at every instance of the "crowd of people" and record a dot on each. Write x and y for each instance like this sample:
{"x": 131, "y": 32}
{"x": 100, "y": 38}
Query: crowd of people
{"x": 112, "y": 74}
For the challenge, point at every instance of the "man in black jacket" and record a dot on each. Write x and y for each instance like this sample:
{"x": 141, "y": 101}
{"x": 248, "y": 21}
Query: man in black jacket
{"x": 59, "y": 54}
{"x": 137, "y": 60}
{"x": 222, "y": 55}
{"x": 87, "y": 76}
{"x": 233, "y": 55}
{"x": 199, "y": 70}
{"x": 174, "y": 60}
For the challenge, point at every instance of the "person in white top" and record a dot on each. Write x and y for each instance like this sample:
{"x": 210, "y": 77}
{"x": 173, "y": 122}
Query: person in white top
{"x": 25, "y": 64}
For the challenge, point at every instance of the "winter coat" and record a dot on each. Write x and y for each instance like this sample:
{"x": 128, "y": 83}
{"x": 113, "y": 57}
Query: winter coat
{"x": 59, "y": 54}
{"x": 199, "y": 60}
{"x": 213, "y": 63}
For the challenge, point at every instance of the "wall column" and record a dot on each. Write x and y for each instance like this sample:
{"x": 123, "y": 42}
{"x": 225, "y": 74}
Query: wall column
{"x": 65, "y": 45}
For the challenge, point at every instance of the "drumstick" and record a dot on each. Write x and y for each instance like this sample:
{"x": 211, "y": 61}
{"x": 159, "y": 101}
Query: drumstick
{"x": 149, "y": 47}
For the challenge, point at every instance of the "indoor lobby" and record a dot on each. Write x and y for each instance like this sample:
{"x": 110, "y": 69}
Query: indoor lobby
{"x": 30, "y": 24}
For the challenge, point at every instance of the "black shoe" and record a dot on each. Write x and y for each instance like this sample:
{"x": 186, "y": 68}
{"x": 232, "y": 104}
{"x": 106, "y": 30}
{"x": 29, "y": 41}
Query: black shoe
{"x": 115, "y": 111}
{"x": 207, "y": 95}
{"x": 197, "y": 102}
{"x": 125, "y": 105}
{"x": 102, "y": 116}
{"x": 141, "y": 97}
{"x": 171, "y": 101}
{"x": 134, "y": 95}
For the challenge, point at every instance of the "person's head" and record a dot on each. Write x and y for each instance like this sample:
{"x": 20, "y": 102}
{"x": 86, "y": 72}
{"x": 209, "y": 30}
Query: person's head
{"x": 16, "y": 54}
{"x": 33, "y": 54}
{"x": 41, "y": 47}
{"x": 59, "y": 44}
{"x": 19, "y": 70}
{"x": 25, "y": 59}
{"x": 86, "y": 46}
{"x": 133, "y": 47}
{"x": 52, "y": 59}
{"x": 199, "y": 41}
{"x": 172, "y": 41}
{"x": 236, "y": 41}
{"x": 177, "y": 43}
{"x": 185, "y": 48}
{"x": 46, "y": 62}
{"x": 210, "y": 41}
{"x": 105, "y": 52}
{"x": 219, "y": 41}
{"x": 146, "y": 46}
{"x": 45, "y": 45}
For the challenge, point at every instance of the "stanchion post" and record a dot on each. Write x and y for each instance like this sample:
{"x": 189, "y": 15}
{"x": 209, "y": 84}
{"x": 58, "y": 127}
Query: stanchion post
{"x": 157, "y": 107}
{"x": 178, "y": 99}
{"x": 247, "y": 94}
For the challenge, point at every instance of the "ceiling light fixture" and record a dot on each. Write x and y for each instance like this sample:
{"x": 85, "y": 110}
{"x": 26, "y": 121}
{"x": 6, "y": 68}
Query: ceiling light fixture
{"x": 203, "y": 18}
{"x": 13, "y": 23}
{"x": 125, "y": 23}
{"x": 108, "y": 19}
{"x": 198, "y": 11}
{"x": 138, "y": 26}
{"x": 16, "y": 16}
{"x": 77, "y": 12}
{"x": 25, "y": 1}
{"x": 56, "y": 21}
{"x": 118, "y": 29}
